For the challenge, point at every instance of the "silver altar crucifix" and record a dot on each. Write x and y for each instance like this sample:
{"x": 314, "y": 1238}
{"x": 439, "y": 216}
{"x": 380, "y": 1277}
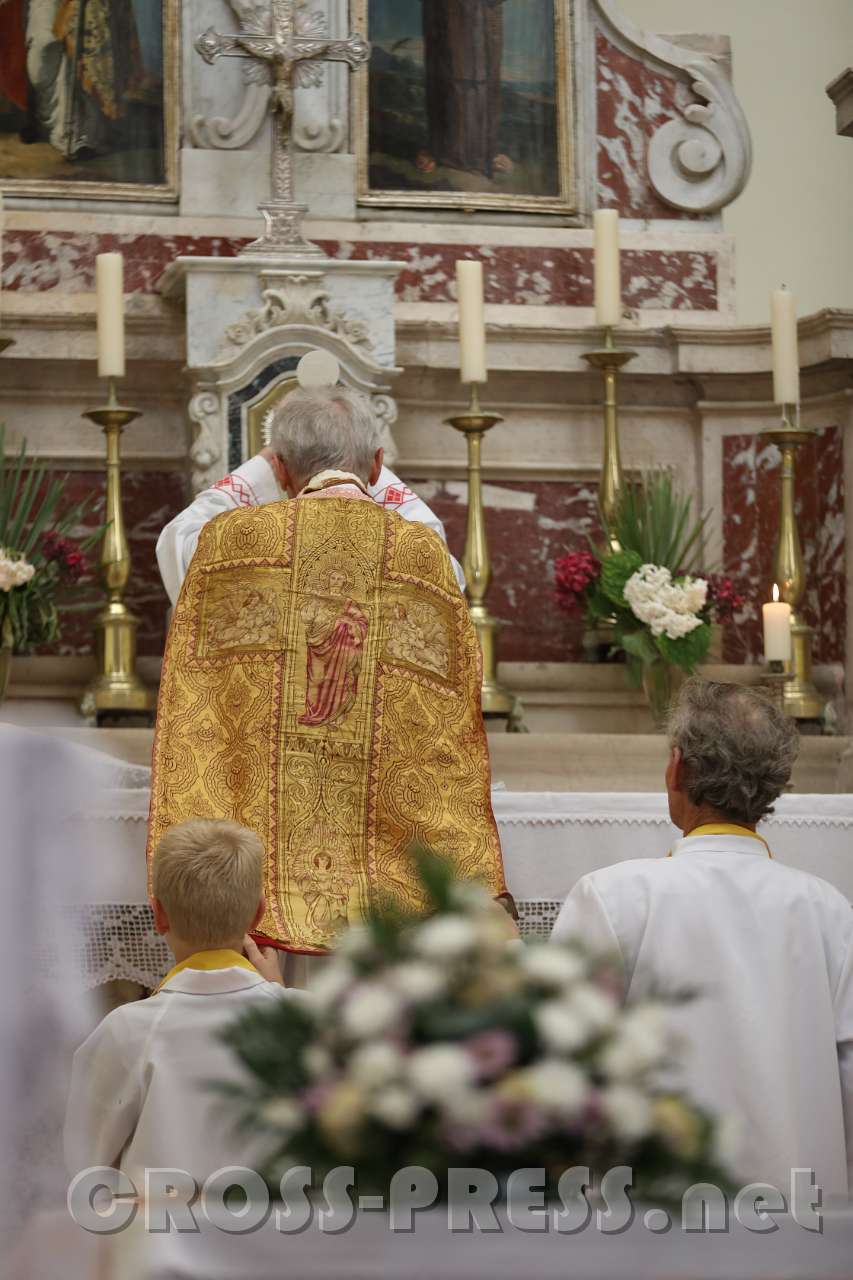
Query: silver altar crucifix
{"x": 294, "y": 45}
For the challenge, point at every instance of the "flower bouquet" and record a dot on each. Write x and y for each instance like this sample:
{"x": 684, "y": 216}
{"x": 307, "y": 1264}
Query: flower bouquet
{"x": 645, "y": 584}
{"x": 438, "y": 1043}
{"x": 39, "y": 562}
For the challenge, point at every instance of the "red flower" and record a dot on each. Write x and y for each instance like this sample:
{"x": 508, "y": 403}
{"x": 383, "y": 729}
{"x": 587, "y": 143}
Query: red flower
{"x": 573, "y": 575}
{"x": 65, "y": 554}
{"x": 723, "y": 596}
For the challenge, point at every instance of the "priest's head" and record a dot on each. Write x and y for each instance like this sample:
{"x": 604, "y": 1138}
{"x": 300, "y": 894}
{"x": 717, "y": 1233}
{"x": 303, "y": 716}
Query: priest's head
{"x": 207, "y": 885}
{"x": 731, "y": 755}
{"x": 323, "y": 429}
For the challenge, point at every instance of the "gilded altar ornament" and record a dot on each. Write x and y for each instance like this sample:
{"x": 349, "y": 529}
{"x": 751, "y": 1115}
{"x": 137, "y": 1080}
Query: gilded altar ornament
{"x": 801, "y": 699}
{"x": 116, "y": 689}
{"x": 321, "y": 686}
{"x": 610, "y": 359}
{"x": 476, "y": 564}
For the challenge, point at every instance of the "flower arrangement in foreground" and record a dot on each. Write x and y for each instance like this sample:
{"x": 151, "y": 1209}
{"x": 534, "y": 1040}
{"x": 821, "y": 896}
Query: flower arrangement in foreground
{"x": 440, "y": 1044}
{"x": 649, "y": 588}
{"x": 39, "y": 561}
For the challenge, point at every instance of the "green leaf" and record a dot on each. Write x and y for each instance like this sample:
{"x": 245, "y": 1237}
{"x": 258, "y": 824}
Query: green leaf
{"x": 639, "y": 644}
{"x": 615, "y": 572}
{"x": 687, "y": 651}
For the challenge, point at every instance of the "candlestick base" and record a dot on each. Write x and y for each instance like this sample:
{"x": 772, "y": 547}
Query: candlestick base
{"x": 5, "y": 343}
{"x": 776, "y": 679}
{"x": 801, "y": 698}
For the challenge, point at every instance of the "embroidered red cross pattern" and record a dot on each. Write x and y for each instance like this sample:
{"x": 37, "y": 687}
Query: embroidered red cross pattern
{"x": 239, "y": 491}
{"x": 394, "y": 496}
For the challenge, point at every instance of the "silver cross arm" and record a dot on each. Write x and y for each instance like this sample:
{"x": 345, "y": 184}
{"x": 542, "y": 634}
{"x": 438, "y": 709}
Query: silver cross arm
{"x": 212, "y": 45}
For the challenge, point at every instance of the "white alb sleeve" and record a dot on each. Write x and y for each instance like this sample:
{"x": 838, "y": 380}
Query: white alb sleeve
{"x": 252, "y": 485}
{"x": 390, "y": 492}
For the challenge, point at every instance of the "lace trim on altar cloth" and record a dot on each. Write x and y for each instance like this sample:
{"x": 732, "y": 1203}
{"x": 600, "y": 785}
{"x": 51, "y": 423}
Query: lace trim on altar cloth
{"x": 117, "y": 941}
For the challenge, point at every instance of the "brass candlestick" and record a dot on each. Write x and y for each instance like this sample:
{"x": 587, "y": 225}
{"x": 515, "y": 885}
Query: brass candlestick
{"x": 800, "y": 697}
{"x": 116, "y": 689}
{"x": 475, "y": 562}
{"x": 609, "y": 359}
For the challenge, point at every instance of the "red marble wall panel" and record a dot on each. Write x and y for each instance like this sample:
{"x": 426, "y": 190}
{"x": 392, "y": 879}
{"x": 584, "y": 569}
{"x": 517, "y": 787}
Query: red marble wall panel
{"x": 633, "y": 101}
{"x": 677, "y": 280}
{"x": 529, "y": 525}
{"x": 151, "y": 499}
{"x": 751, "y": 522}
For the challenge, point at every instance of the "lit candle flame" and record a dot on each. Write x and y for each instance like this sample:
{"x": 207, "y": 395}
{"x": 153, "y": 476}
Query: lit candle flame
{"x": 775, "y": 593}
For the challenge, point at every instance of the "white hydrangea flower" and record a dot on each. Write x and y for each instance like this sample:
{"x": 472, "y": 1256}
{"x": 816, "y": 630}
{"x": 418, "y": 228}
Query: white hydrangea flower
{"x": 375, "y": 1064}
{"x": 282, "y": 1114}
{"x": 552, "y": 966}
{"x": 370, "y": 1010}
{"x": 330, "y": 983}
{"x": 440, "y": 1071}
{"x": 666, "y": 607}
{"x": 559, "y": 1085}
{"x": 628, "y": 1110}
{"x": 395, "y": 1106}
{"x": 444, "y": 937}
{"x": 469, "y": 1106}
{"x": 317, "y": 1059}
{"x": 14, "y": 571}
{"x": 642, "y": 1040}
{"x": 595, "y": 1008}
{"x": 417, "y": 980}
{"x": 561, "y": 1027}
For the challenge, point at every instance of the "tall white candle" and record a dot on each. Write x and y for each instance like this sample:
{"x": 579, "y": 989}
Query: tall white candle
{"x": 109, "y": 280}
{"x": 608, "y": 287}
{"x": 786, "y": 355}
{"x": 472, "y": 321}
{"x": 777, "y": 629}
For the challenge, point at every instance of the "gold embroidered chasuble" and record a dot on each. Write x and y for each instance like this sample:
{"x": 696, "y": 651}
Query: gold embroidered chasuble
{"x": 321, "y": 685}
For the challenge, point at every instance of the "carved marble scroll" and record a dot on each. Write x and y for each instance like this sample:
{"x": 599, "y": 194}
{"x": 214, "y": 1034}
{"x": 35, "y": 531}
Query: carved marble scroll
{"x": 700, "y": 161}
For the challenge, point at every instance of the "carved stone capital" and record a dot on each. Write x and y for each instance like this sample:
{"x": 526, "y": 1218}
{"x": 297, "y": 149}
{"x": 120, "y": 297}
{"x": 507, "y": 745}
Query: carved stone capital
{"x": 302, "y": 300}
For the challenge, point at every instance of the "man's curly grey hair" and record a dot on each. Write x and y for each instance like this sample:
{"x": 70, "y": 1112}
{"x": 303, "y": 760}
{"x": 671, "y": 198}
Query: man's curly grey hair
{"x": 737, "y": 748}
{"x": 326, "y": 429}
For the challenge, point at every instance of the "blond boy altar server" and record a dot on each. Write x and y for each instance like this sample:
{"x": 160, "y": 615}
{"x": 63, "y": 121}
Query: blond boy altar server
{"x": 321, "y": 682}
{"x": 769, "y": 949}
{"x": 139, "y": 1096}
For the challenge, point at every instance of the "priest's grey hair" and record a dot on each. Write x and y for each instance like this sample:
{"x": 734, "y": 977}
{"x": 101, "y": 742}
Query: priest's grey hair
{"x": 325, "y": 429}
{"x": 738, "y": 748}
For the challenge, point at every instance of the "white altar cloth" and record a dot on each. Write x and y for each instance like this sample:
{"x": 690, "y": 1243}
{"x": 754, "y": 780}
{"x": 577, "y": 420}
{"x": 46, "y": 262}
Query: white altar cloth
{"x": 550, "y": 839}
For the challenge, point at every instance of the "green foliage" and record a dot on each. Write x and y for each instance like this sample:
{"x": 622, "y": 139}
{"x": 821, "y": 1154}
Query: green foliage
{"x": 687, "y": 651}
{"x": 616, "y": 569}
{"x": 30, "y": 507}
{"x": 639, "y": 644}
{"x": 656, "y": 523}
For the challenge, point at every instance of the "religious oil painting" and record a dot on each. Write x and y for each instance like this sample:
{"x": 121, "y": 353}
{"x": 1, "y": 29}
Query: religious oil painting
{"x": 88, "y": 98}
{"x": 466, "y": 104}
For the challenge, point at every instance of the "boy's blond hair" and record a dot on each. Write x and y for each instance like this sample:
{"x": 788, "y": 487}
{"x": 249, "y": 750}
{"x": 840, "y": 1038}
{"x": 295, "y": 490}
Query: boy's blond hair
{"x": 208, "y": 874}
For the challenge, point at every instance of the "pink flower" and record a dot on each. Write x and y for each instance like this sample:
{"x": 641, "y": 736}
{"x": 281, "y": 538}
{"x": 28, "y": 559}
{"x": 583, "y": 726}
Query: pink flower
{"x": 512, "y": 1123}
{"x": 573, "y": 575}
{"x": 493, "y": 1051}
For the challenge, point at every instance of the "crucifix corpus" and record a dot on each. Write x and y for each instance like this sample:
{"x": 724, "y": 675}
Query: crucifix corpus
{"x": 290, "y": 50}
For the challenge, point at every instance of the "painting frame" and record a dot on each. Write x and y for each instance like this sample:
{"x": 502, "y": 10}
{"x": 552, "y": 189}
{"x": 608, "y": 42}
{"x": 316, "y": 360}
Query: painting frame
{"x": 139, "y": 192}
{"x": 564, "y": 203}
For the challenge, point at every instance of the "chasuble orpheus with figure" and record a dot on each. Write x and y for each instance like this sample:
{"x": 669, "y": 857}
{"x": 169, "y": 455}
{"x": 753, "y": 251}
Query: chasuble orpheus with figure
{"x": 321, "y": 686}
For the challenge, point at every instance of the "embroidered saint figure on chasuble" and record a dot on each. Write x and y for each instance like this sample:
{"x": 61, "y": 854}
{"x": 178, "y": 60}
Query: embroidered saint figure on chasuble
{"x": 321, "y": 685}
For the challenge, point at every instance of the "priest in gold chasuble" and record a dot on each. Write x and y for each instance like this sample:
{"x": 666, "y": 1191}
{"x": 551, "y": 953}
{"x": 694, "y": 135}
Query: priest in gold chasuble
{"x": 321, "y": 684}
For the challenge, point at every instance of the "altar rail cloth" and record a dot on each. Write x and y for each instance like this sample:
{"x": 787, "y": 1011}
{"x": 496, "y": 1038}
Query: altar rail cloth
{"x": 550, "y": 840}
